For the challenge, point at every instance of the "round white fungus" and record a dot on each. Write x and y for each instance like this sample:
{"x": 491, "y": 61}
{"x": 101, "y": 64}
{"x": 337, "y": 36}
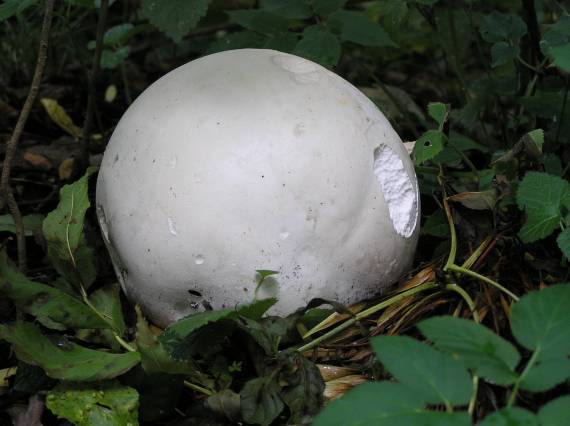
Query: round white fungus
{"x": 255, "y": 159}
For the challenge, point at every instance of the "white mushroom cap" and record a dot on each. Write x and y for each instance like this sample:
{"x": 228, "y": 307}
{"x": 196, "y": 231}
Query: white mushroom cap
{"x": 255, "y": 159}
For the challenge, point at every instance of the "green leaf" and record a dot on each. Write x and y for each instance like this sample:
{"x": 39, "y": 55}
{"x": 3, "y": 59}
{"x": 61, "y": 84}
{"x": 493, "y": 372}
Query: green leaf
{"x": 498, "y": 27}
{"x": 429, "y": 145}
{"x": 436, "y": 225}
{"x": 237, "y": 40}
{"x": 32, "y": 223}
{"x": 357, "y": 28}
{"x": 107, "y": 300}
{"x": 541, "y": 195}
{"x": 513, "y": 416}
{"x": 260, "y": 21}
{"x": 290, "y": 9}
{"x": 326, "y": 7}
{"x": 436, "y": 376}
{"x": 502, "y": 52}
{"x": 439, "y": 112}
{"x": 319, "y": 45}
{"x": 302, "y": 386}
{"x": 175, "y": 18}
{"x": 118, "y": 34}
{"x": 260, "y": 401}
{"x": 111, "y": 59}
{"x": 563, "y": 241}
{"x": 555, "y": 43}
{"x": 556, "y": 412}
{"x": 62, "y": 359}
{"x": 546, "y": 374}
{"x": 540, "y": 321}
{"x": 257, "y": 309}
{"x": 14, "y": 7}
{"x": 475, "y": 346}
{"x": 52, "y": 307}
{"x": 282, "y": 42}
{"x": 384, "y": 404}
{"x": 63, "y": 230}
{"x": 105, "y": 403}
{"x": 154, "y": 357}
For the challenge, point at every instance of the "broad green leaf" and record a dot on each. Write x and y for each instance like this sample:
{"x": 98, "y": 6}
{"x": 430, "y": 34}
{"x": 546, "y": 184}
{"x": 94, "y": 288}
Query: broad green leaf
{"x": 385, "y": 404}
{"x": 260, "y": 20}
{"x": 264, "y": 273}
{"x": 563, "y": 241}
{"x": 118, "y": 34}
{"x": 541, "y": 196}
{"x": 32, "y": 223}
{"x": 502, "y": 52}
{"x": 175, "y": 18}
{"x": 454, "y": 35}
{"x": 556, "y": 412}
{"x": 285, "y": 42}
{"x": 260, "y": 401}
{"x": 154, "y": 358}
{"x": 540, "y": 321}
{"x": 475, "y": 346}
{"x": 429, "y": 145}
{"x": 436, "y": 376}
{"x": 257, "y": 309}
{"x": 107, "y": 300}
{"x": 237, "y": 40}
{"x": 62, "y": 359}
{"x": 393, "y": 11}
{"x": 326, "y": 7}
{"x": 63, "y": 230}
{"x": 426, "y": 2}
{"x": 357, "y": 28}
{"x": 439, "y": 112}
{"x": 111, "y": 59}
{"x": 104, "y": 403}
{"x": 546, "y": 374}
{"x": 290, "y": 9}
{"x": 513, "y": 416}
{"x": 498, "y": 27}
{"x": 436, "y": 225}
{"x": 555, "y": 43}
{"x": 52, "y": 307}
{"x": 319, "y": 45}
{"x": 10, "y": 8}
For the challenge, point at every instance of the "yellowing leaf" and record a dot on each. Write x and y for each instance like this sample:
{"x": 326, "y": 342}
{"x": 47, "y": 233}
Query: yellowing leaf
{"x": 60, "y": 117}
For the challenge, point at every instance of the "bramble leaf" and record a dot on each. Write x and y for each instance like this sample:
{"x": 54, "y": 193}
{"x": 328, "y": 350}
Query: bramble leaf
{"x": 563, "y": 241}
{"x": 357, "y": 28}
{"x": 546, "y": 374}
{"x": 429, "y": 145}
{"x": 510, "y": 416}
{"x": 260, "y": 20}
{"x": 326, "y": 7}
{"x": 555, "y": 413}
{"x": 439, "y": 112}
{"x": 555, "y": 43}
{"x": 290, "y": 9}
{"x": 260, "y": 401}
{"x": 320, "y": 45}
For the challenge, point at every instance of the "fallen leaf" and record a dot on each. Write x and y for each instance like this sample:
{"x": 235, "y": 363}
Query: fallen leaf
{"x": 65, "y": 169}
{"x": 37, "y": 161}
{"x": 60, "y": 117}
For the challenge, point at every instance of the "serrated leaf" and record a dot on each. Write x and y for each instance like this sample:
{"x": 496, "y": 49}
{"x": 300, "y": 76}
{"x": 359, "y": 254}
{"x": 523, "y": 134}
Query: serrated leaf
{"x": 439, "y": 112}
{"x": 546, "y": 374}
{"x": 260, "y": 401}
{"x": 32, "y": 223}
{"x": 257, "y": 309}
{"x": 502, "y": 52}
{"x": 52, "y": 307}
{"x": 105, "y": 403}
{"x": 555, "y": 413}
{"x": 540, "y": 321}
{"x": 498, "y": 27}
{"x": 384, "y": 404}
{"x": 63, "y": 230}
{"x": 237, "y": 40}
{"x": 326, "y": 7}
{"x": 541, "y": 196}
{"x": 60, "y": 117}
{"x": 509, "y": 417}
{"x": 175, "y": 18}
{"x": 436, "y": 225}
{"x": 563, "y": 241}
{"x": 282, "y": 42}
{"x": 475, "y": 346}
{"x": 10, "y": 8}
{"x": 259, "y": 20}
{"x": 290, "y": 9}
{"x": 357, "y": 28}
{"x": 428, "y": 146}
{"x": 107, "y": 301}
{"x": 62, "y": 359}
{"x": 319, "y": 45}
{"x": 436, "y": 376}
{"x": 555, "y": 43}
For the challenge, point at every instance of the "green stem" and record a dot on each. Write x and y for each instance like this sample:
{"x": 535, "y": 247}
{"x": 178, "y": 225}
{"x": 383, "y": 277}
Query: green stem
{"x": 467, "y": 298}
{"x": 367, "y": 312}
{"x": 453, "y": 249}
{"x": 198, "y": 388}
{"x": 464, "y": 271}
{"x": 529, "y": 365}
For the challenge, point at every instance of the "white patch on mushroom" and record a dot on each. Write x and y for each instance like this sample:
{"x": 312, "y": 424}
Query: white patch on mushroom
{"x": 397, "y": 188}
{"x": 302, "y": 71}
{"x": 171, "y": 227}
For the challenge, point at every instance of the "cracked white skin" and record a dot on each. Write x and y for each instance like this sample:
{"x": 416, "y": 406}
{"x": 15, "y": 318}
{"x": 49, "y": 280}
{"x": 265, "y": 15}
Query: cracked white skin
{"x": 255, "y": 159}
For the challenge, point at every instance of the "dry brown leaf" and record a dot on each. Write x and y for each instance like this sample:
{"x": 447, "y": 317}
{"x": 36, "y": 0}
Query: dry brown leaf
{"x": 336, "y": 388}
{"x": 37, "y": 161}
{"x": 332, "y": 372}
{"x": 66, "y": 168}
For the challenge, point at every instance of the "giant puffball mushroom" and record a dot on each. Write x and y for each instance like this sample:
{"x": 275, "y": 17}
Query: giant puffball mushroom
{"x": 255, "y": 159}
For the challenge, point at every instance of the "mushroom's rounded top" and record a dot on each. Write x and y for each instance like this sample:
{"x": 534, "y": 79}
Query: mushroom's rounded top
{"x": 255, "y": 159}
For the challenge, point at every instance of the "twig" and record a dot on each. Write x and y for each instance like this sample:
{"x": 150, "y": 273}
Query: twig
{"x": 12, "y": 144}
{"x": 91, "y": 79}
